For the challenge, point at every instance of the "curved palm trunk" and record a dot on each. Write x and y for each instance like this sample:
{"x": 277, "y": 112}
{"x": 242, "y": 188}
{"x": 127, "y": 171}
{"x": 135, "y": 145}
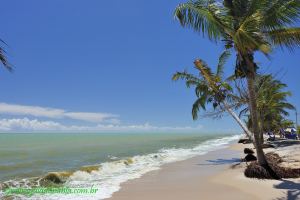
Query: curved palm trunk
{"x": 238, "y": 120}
{"x": 254, "y": 114}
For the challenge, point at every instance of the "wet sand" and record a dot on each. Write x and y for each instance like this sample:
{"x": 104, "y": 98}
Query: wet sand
{"x": 209, "y": 176}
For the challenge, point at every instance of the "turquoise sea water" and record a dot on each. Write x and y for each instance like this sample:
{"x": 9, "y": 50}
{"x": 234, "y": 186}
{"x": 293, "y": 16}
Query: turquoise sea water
{"x": 36, "y": 154}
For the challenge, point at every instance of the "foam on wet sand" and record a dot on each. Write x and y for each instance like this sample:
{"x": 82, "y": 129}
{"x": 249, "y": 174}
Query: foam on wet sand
{"x": 216, "y": 175}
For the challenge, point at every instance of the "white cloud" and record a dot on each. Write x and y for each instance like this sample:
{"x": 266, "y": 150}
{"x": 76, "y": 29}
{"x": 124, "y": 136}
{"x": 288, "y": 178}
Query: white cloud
{"x": 36, "y": 111}
{"x": 31, "y": 110}
{"x": 25, "y": 124}
{"x": 30, "y": 120}
{"x": 91, "y": 117}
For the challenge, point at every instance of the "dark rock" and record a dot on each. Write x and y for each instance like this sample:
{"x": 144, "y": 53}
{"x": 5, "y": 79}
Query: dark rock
{"x": 241, "y": 140}
{"x": 53, "y": 178}
{"x": 56, "y": 177}
{"x": 248, "y": 151}
{"x": 244, "y": 141}
{"x": 250, "y": 157}
{"x": 128, "y": 161}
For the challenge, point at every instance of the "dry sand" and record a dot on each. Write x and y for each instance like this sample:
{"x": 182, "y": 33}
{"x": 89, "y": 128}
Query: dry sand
{"x": 210, "y": 176}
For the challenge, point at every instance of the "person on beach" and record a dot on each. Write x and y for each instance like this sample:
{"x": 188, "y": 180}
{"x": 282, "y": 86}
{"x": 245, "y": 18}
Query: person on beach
{"x": 271, "y": 136}
{"x": 282, "y": 133}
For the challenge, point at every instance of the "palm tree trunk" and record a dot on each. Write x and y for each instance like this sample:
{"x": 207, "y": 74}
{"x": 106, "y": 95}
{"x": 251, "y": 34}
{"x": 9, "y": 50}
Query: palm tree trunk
{"x": 238, "y": 120}
{"x": 261, "y": 135}
{"x": 253, "y": 111}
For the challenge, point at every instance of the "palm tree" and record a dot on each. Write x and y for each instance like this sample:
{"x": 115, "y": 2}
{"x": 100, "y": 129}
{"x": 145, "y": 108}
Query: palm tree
{"x": 271, "y": 103}
{"x": 3, "y": 58}
{"x": 211, "y": 89}
{"x": 246, "y": 27}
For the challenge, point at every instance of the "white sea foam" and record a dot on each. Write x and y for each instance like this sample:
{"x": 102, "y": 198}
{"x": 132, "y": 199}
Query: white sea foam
{"x": 111, "y": 174}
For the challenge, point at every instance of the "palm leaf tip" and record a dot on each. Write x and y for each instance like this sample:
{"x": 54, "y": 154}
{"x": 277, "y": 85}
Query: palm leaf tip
{"x": 3, "y": 59}
{"x": 180, "y": 75}
{"x": 175, "y": 77}
{"x": 178, "y": 15}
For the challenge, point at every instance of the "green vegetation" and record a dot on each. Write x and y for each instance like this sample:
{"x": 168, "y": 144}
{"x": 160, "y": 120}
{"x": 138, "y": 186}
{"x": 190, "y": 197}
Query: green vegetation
{"x": 271, "y": 103}
{"x": 210, "y": 88}
{"x": 245, "y": 27}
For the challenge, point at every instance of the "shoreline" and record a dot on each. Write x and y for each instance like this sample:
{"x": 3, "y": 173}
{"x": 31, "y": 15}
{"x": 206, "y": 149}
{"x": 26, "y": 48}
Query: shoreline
{"x": 209, "y": 176}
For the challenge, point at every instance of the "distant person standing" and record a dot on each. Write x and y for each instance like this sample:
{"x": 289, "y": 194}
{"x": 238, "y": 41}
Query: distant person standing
{"x": 281, "y": 133}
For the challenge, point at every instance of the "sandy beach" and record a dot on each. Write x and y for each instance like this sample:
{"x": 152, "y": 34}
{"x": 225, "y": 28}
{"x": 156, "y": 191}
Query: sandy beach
{"x": 216, "y": 175}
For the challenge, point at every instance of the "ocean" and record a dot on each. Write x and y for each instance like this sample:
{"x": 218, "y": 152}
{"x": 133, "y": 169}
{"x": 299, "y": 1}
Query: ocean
{"x": 102, "y": 161}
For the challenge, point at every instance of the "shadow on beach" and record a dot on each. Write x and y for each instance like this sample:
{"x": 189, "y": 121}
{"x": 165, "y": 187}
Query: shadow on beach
{"x": 293, "y": 188}
{"x": 285, "y": 143}
{"x": 221, "y": 161}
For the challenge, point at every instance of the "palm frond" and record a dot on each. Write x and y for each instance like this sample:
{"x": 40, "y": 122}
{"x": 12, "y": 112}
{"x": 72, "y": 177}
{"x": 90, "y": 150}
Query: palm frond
{"x": 205, "y": 72}
{"x": 3, "y": 58}
{"x": 286, "y": 37}
{"x": 202, "y": 16}
{"x": 243, "y": 112}
{"x": 248, "y": 37}
{"x": 190, "y": 79}
{"x": 279, "y": 13}
{"x": 190, "y": 83}
{"x": 201, "y": 89}
{"x": 222, "y": 60}
{"x": 199, "y": 103}
{"x": 185, "y": 76}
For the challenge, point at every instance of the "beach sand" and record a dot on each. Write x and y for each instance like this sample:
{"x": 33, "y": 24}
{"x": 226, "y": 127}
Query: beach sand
{"x": 209, "y": 176}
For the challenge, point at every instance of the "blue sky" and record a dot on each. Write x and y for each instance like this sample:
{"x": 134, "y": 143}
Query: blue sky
{"x": 110, "y": 63}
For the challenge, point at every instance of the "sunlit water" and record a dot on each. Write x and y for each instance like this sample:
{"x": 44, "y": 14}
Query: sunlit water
{"x": 118, "y": 157}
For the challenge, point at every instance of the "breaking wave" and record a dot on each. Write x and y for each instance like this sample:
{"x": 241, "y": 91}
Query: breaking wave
{"x": 108, "y": 176}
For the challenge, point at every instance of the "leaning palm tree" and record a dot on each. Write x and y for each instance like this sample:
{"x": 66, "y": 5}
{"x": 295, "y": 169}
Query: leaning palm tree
{"x": 210, "y": 88}
{"x": 246, "y": 27}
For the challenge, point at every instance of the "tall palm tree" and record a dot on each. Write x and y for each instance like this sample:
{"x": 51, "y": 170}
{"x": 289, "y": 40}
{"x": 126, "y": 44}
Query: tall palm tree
{"x": 246, "y": 27}
{"x": 211, "y": 89}
{"x": 272, "y": 104}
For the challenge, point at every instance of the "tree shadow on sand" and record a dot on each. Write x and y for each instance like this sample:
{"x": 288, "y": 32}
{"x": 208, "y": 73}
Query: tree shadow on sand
{"x": 285, "y": 143}
{"x": 293, "y": 188}
{"x": 221, "y": 161}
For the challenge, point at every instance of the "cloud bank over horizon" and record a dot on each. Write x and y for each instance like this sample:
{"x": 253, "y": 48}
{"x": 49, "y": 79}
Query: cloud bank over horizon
{"x": 31, "y": 119}
{"x": 28, "y": 125}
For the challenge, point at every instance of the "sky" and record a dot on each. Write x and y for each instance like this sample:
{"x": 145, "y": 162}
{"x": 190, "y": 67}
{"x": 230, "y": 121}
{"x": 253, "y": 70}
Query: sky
{"x": 107, "y": 66}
